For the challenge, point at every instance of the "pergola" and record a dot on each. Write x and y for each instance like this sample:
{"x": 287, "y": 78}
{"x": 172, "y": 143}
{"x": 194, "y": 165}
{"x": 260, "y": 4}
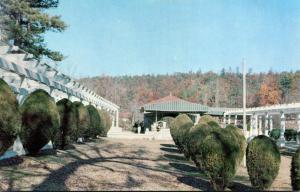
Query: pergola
{"x": 256, "y": 118}
{"x": 25, "y": 74}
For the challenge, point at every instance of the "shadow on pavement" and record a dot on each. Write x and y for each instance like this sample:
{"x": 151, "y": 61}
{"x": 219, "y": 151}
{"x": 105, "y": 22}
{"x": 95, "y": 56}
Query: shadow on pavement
{"x": 168, "y": 145}
{"x": 184, "y": 167}
{"x": 172, "y": 157}
{"x": 170, "y": 150}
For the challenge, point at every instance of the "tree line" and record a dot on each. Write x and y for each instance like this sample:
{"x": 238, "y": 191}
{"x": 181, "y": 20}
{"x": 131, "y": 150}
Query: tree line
{"x": 222, "y": 89}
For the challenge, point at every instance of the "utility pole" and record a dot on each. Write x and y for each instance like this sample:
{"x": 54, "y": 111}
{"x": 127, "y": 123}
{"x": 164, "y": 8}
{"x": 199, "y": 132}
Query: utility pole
{"x": 244, "y": 107}
{"x": 244, "y": 97}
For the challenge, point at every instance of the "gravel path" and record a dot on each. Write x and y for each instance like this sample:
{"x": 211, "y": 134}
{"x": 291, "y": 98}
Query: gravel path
{"x": 115, "y": 164}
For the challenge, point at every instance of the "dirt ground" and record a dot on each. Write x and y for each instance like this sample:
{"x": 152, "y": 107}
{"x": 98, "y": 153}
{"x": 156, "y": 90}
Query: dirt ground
{"x": 115, "y": 164}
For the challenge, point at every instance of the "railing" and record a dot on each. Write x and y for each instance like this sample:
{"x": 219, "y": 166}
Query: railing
{"x": 287, "y": 108}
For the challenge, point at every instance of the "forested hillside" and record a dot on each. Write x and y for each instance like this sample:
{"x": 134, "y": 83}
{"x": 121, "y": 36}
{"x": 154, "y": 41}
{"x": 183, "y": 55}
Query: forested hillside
{"x": 213, "y": 89}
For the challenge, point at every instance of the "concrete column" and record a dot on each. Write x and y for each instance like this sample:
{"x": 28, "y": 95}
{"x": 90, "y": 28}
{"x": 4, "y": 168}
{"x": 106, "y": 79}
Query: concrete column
{"x": 113, "y": 123}
{"x": 253, "y": 131}
{"x": 271, "y": 122}
{"x": 117, "y": 118}
{"x": 256, "y": 124}
{"x": 229, "y": 119}
{"x": 224, "y": 119}
{"x": 266, "y": 124}
{"x": 235, "y": 120}
{"x": 197, "y": 118}
{"x": 259, "y": 125}
{"x": 282, "y": 130}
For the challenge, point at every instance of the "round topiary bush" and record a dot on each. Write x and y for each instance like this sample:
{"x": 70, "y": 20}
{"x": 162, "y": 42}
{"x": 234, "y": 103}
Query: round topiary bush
{"x": 218, "y": 154}
{"x": 295, "y": 171}
{"x": 238, "y": 133}
{"x": 94, "y": 128}
{"x": 290, "y": 134}
{"x": 106, "y": 122}
{"x": 67, "y": 112}
{"x": 263, "y": 161}
{"x": 82, "y": 120}
{"x": 10, "y": 118}
{"x": 275, "y": 134}
{"x": 40, "y": 120}
{"x": 196, "y": 134}
{"x": 168, "y": 120}
{"x": 206, "y": 119}
{"x": 179, "y": 128}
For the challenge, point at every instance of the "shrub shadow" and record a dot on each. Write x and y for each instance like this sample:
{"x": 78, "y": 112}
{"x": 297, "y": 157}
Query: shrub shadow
{"x": 168, "y": 145}
{"x": 197, "y": 183}
{"x": 184, "y": 167}
{"x": 235, "y": 186}
{"x": 175, "y": 157}
{"x": 44, "y": 152}
{"x": 11, "y": 161}
{"x": 170, "y": 150}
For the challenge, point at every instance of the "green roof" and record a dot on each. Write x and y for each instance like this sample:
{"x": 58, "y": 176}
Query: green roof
{"x": 174, "y": 104}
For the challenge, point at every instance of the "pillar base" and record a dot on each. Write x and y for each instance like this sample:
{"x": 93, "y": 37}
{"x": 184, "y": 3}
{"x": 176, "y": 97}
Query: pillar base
{"x": 281, "y": 142}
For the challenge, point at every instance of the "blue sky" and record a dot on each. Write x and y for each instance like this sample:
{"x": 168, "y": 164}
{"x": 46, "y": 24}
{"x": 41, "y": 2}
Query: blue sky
{"x": 117, "y": 37}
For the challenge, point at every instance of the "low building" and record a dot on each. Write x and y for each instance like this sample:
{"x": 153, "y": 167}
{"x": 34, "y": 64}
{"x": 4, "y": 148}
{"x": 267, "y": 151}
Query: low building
{"x": 171, "y": 106}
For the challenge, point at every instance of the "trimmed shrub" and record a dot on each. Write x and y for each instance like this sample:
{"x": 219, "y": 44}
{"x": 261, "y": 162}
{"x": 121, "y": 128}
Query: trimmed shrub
{"x": 83, "y": 120}
{"x": 196, "y": 134}
{"x": 40, "y": 121}
{"x": 275, "y": 134}
{"x": 295, "y": 171}
{"x": 179, "y": 128}
{"x": 168, "y": 120}
{"x": 206, "y": 119}
{"x": 67, "y": 112}
{"x": 94, "y": 128}
{"x": 106, "y": 122}
{"x": 219, "y": 153}
{"x": 238, "y": 133}
{"x": 263, "y": 161}
{"x": 290, "y": 134}
{"x": 10, "y": 118}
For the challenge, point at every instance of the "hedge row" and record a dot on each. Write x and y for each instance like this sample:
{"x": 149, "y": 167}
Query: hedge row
{"x": 39, "y": 119}
{"x": 219, "y": 151}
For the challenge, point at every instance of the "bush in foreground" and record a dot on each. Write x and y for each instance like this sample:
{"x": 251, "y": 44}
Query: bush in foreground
{"x": 179, "y": 128}
{"x": 263, "y": 161}
{"x": 218, "y": 153}
{"x": 106, "y": 122}
{"x": 196, "y": 134}
{"x": 94, "y": 128}
{"x": 82, "y": 120}
{"x": 238, "y": 133}
{"x": 67, "y": 112}
{"x": 10, "y": 118}
{"x": 295, "y": 171}
{"x": 40, "y": 120}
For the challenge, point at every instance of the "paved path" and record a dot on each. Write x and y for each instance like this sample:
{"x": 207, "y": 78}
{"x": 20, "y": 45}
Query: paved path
{"x": 114, "y": 164}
